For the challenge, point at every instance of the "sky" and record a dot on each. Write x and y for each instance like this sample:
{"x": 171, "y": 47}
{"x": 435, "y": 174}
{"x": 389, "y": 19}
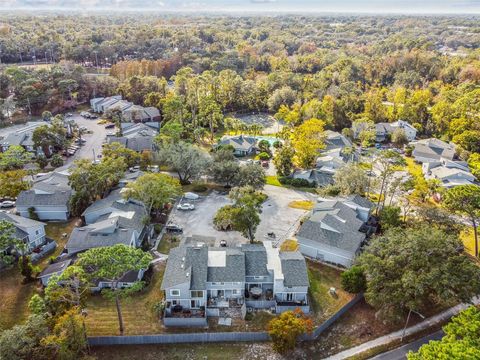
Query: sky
{"x": 298, "y": 6}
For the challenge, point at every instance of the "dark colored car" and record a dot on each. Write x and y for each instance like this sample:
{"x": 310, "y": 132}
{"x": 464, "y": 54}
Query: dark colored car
{"x": 109, "y": 126}
{"x": 173, "y": 228}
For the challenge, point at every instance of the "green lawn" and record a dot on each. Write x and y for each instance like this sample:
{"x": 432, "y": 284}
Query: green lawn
{"x": 468, "y": 238}
{"x": 273, "y": 180}
{"x": 168, "y": 242}
{"x": 322, "y": 278}
{"x": 139, "y": 314}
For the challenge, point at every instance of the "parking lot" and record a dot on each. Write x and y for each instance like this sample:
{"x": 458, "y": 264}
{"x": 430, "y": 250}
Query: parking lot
{"x": 94, "y": 139}
{"x": 276, "y": 217}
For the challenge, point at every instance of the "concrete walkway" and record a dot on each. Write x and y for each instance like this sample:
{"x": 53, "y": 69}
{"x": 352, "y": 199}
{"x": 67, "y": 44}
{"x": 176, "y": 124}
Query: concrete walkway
{"x": 397, "y": 335}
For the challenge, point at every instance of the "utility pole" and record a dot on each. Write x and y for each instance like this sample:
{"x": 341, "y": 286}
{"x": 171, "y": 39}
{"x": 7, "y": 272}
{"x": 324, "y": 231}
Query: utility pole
{"x": 34, "y": 58}
{"x": 21, "y": 59}
{"x": 46, "y": 58}
{"x": 51, "y": 56}
{"x": 96, "y": 60}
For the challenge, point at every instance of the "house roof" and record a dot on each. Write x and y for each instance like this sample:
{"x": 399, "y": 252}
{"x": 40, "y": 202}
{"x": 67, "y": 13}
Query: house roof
{"x": 187, "y": 264}
{"x": 361, "y": 201}
{"x": 294, "y": 269}
{"x": 233, "y": 270}
{"x": 106, "y": 202}
{"x": 434, "y": 149}
{"x": 55, "y": 268}
{"x": 20, "y": 221}
{"x": 255, "y": 260}
{"x": 335, "y": 140}
{"x": 88, "y": 237}
{"x": 335, "y": 224}
{"x": 30, "y": 198}
{"x": 240, "y": 142}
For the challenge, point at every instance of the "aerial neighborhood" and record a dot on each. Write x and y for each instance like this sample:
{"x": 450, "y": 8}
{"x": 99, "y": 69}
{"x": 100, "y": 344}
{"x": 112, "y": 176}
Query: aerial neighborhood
{"x": 271, "y": 185}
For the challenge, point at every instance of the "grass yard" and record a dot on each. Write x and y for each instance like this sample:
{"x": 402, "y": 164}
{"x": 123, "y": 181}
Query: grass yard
{"x": 139, "y": 314}
{"x": 167, "y": 242}
{"x": 273, "y": 180}
{"x": 322, "y": 278}
{"x": 56, "y": 230}
{"x": 14, "y": 297}
{"x": 468, "y": 238}
{"x": 289, "y": 245}
{"x": 302, "y": 204}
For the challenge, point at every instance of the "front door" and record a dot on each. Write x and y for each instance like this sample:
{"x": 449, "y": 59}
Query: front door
{"x": 289, "y": 297}
{"x": 194, "y": 304}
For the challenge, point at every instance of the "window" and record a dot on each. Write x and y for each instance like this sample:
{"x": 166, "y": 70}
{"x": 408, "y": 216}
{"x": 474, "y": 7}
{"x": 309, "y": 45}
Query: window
{"x": 174, "y": 292}
{"x": 236, "y": 292}
{"x": 175, "y": 302}
{"x": 37, "y": 232}
{"x": 289, "y": 297}
{"x": 258, "y": 277}
{"x": 196, "y": 294}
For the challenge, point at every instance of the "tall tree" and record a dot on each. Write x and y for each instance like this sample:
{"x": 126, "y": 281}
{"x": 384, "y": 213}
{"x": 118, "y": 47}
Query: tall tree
{"x": 415, "y": 269}
{"x": 188, "y": 161}
{"x": 465, "y": 200}
{"x": 111, "y": 264}
{"x": 307, "y": 140}
{"x": 461, "y": 340}
{"x": 153, "y": 190}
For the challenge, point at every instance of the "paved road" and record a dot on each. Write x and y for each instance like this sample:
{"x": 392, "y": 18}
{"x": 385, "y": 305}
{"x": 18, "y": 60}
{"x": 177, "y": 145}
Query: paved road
{"x": 401, "y": 352}
{"x": 397, "y": 335}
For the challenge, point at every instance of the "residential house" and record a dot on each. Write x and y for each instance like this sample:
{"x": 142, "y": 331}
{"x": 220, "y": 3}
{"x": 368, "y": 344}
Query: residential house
{"x": 49, "y": 197}
{"x": 99, "y": 104}
{"x": 243, "y": 145}
{"x": 336, "y": 230}
{"x": 110, "y": 221}
{"x": 28, "y": 231}
{"x": 21, "y": 137}
{"x": 202, "y": 281}
{"x": 432, "y": 149}
{"x": 139, "y": 137}
{"x": 450, "y": 173}
{"x": 385, "y": 130}
{"x": 57, "y": 268}
{"x": 332, "y": 158}
{"x": 130, "y": 112}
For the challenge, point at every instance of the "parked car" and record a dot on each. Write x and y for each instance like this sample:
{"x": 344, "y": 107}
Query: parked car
{"x": 173, "y": 228}
{"x": 109, "y": 126}
{"x": 186, "y": 206}
{"x": 7, "y": 204}
{"x": 102, "y": 122}
{"x": 191, "y": 196}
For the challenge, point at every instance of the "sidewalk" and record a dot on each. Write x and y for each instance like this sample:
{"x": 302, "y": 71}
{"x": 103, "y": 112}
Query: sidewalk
{"x": 397, "y": 335}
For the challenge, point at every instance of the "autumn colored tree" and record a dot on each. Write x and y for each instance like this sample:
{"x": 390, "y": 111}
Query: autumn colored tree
{"x": 286, "y": 329}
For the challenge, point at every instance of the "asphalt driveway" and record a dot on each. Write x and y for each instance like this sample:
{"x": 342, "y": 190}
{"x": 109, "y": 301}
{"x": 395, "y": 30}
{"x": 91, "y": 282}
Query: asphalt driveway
{"x": 276, "y": 217}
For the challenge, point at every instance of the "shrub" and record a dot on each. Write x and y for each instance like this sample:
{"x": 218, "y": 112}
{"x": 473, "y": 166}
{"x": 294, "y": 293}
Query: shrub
{"x": 286, "y": 328}
{"x": 329, "y": 190}
{"x": 353, "y": 280}
{"x": 222, "y": 220}
{"x": 56, "y": 161}
{"x": 42, "y": 162}
{"x": 277, "y": 144}
{"x": 264, "y": 156}
{"x": 284, "y": 180}
{"x": 199, "y": 187}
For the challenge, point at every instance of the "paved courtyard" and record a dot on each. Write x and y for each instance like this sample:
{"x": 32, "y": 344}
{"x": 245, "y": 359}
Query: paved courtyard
{"x": 276, "y": 217}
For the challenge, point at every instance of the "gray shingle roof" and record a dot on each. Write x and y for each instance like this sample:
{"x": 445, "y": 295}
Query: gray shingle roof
{"x": 86, "y": 237}
{"x": 255, "y": 260}
{"x": 20, "y": 221}
{"x": 55, "y": 268}
{"x": 240, "y": 142}
{"x": 335, "y": 224}
{"x": 187, "y": 264}
{"x": 29, "y": 198}
{"x": 294, "y": 269}
{"x": 361, "y": 201}
{"x": 234, "y": 271}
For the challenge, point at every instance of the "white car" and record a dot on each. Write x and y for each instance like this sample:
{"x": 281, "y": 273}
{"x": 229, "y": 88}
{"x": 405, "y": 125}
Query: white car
{"x": 7, "y": 204}
{"x": 185, "y": 206}
{"x": 191, "y": 196}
